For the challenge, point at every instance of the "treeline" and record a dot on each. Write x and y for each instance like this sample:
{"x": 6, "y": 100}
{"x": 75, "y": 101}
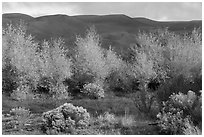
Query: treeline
{"x": 162, "y": 61}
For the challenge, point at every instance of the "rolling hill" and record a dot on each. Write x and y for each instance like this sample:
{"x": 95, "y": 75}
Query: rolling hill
{"x": 119, "y": 30}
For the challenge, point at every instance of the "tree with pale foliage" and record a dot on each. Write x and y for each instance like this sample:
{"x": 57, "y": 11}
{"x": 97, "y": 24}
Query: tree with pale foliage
{"x": 90, "y": 56}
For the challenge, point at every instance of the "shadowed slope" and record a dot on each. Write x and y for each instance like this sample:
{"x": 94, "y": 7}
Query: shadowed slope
{"x": 119, "y": 30}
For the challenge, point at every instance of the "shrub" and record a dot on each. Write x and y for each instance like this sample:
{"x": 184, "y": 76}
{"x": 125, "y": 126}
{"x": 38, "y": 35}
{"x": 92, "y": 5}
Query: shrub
{"x": 65, "y": 118}
{"x": 195, "y": 109}
{"x": 113, "y": 61}
{"x": 90, "y": 56}
{"x": 190, "y": 104}
{"x": 127, "y": 121}
{"x": 102, "y": 125}
{"x": 145, "y": 102}
{"x": 22, "y": 115}
{"x": 21, "y": 93}
{"x": 185, "y": 55}
{"x": 175, "y": 124}
{"x": 147, "y": 64}
{"x": 190, "y": 128}
{"x": 117, "y": 79}
{"x": 54, "y": 66}
{"x": 9, "y": 80}
{"x": 171, "y": 59}
{"x": 183, "y": 58}
{"x": 121, "y": 80}
{"x": 93, "y": 90}
{"x": 31, "y": 63}
{"x": 19, "y": 55}
{"x": 74, "y": 87}
{"x": 180, "y": 54}
{"x": 60, "y": 91}
{"x": 171, "y": 122}
{"x": 106, "y": 121}
{"x": 149, "y": 58}
{"x": 178, "y": 110}
{"x": 96, "y": 64}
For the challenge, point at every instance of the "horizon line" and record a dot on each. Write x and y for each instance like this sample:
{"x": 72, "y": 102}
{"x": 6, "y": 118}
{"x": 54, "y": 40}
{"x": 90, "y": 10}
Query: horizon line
{"x": 102, "y": 15}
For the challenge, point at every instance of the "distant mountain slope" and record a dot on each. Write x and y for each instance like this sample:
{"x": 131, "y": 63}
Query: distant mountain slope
{"x": 116, "y": 30}
{"x": 56, "y": 26}
{"x": 15, "y": 18}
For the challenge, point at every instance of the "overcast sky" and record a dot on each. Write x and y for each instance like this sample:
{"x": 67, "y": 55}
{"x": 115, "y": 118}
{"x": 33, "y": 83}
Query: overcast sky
{"x": 156, "y": 11}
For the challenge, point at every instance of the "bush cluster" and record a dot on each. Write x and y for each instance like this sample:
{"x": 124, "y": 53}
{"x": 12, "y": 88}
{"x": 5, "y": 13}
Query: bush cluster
{"x": 93, "y": 90}
{"x": 22, "y": 115}
{"x": 107, "y": 120}
{"x": 106, "y": 124}
{"x": 19, "y": 59}
{"x": 178, "y": 110}
{"x": 89, "y": 58}
{"x": 21, "y": 93}
{"x": 54, "y": 66}
{"x": 26, "y": 62}
{"x": 190, "y": 128}
{"x": 161, "y": 56}
{"x": 146, "y": 102}
{"x": 65, "y": 118}
{"x": 173, "y": 60}
{"x": 93, "y": 63}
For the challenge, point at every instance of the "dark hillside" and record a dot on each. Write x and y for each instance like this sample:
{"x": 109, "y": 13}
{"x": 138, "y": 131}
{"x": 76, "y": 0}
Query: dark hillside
{"x": 119, "y": 30}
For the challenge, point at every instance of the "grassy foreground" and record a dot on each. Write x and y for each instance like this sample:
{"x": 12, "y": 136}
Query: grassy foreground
{"x": 132, "y": 122}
